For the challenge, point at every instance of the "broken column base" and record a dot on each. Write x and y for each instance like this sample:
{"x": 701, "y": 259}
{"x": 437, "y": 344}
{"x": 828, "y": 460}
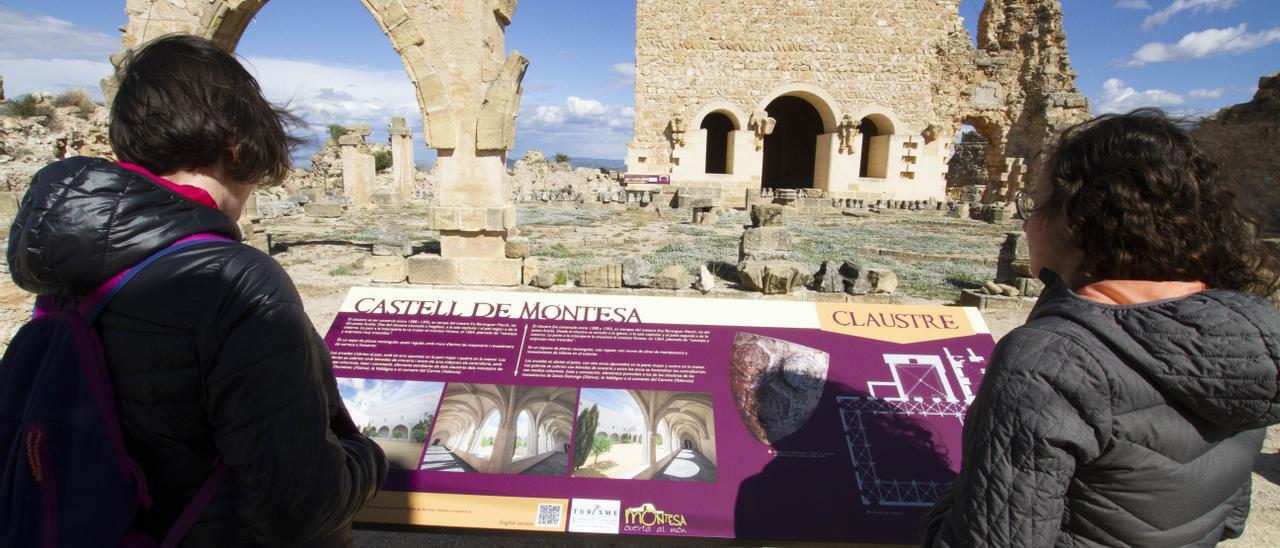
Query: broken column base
{"x": 434, "y": 269}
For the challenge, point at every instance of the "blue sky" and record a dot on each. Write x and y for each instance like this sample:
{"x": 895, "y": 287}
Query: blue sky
{"x": 335, "y": 66}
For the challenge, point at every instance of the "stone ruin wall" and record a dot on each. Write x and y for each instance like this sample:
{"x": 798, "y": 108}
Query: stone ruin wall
{"x": 864, "y": 53}
{"x": 911, "y": 57}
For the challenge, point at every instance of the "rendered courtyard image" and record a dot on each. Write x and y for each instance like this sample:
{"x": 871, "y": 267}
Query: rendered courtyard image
{"x": 776, "y": 150}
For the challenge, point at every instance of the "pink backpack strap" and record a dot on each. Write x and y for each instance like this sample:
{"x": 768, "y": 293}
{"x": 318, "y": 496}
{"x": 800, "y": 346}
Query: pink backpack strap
{"x": 89, "y": 306}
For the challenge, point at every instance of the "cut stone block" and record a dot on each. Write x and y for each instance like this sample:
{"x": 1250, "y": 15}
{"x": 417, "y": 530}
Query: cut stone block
{"x": 767, "y": 243}
{"x": 472, "y": 245}
{"x": 327, "y": 210}
{"x": 672, "y": 277}
{"x": 528, "y": 270}
{"x": 432, "y": 269}
{"x": 517, "y": 248}
{"x": 766, "y": 215}
{"x": 387, "y": 269}
{"x": 605, "y": 275}
{"x": 503, "y": 272}
{"x": 772, "y": 277}
{"x": 882, "y": 281}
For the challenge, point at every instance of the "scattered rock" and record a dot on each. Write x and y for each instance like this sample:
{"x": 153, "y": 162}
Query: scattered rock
{"x": 706, "y": 282}
{"x": 767, "y": 243}
{"x": 528, "y": 270}
{"x": 637, "y": 272}
{"x": 772, "y": 277}
{"x": 882, "y": 281}
{"x": 672, "y": 277}
{"x": 991, "y": 288}
{"x": 1008, "y": 290}
{"x": 544, "y": 280}
{"x": 857, "y": 280}
{"x": 401, "y": 248}
{"x": 766, "y": 215}
{"x": 828, "y": 279}
{"x": 517, "y": 248}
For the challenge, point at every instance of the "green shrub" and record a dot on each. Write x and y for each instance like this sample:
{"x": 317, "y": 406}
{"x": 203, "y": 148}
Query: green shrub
{"x": 76, "y": 98}
{"x": 336, "y": 131}
{"x": 561, "y": 158}
{"x": 381, "y": 160}
{"x": 26, "y": 106}
{"x": 562, "y": 278}
{"x": 343, "y": 270}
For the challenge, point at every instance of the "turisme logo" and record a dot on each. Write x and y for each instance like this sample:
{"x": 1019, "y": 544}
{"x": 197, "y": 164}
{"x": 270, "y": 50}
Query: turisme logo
{"x": 595, "y": 516}
{"x": 647, "y": 518}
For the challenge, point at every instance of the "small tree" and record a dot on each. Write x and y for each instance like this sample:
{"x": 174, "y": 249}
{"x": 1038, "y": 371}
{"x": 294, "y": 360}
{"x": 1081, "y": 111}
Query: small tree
{"x": 586, "y": 435}
{"x": 561, "y": 158}
{"x": 600, "y": 446}
{"x": 370, "y": 431}
{"x": 336, "y": 131}
{"x": 419, "y": 431}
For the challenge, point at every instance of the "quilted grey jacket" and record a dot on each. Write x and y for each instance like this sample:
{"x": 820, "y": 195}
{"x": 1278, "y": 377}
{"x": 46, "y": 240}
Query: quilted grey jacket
{"x": 1131, "y": 425}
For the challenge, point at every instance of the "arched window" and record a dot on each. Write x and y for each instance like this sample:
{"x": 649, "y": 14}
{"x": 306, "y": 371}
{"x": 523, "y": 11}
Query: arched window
{"x": 876, "y": 131}
{"x": 718, "y": 127}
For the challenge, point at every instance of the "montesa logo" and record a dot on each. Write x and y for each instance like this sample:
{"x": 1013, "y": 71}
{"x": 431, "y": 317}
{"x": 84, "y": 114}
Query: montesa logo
{"x": 647, "y": 515}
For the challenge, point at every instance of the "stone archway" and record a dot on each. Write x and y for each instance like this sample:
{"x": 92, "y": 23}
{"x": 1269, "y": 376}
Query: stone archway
{"x": 468, "y": 90}
{"x": 791, "y": 151}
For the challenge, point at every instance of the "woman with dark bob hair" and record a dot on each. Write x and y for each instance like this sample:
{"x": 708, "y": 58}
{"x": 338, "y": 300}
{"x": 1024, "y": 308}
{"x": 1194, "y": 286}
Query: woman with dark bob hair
{"x": 1129, "y": 409}
{"x": 210, "y": 353}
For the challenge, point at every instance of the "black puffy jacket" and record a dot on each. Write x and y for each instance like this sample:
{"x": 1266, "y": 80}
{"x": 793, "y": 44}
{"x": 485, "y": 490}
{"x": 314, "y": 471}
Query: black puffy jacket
{"x": 1133, "y": 425}
{"x": 210, "y": 355}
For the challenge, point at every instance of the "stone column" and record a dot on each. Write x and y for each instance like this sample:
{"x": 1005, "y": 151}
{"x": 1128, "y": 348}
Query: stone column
{"x": 402, "y": 168}
{"x": 357, "y": 165}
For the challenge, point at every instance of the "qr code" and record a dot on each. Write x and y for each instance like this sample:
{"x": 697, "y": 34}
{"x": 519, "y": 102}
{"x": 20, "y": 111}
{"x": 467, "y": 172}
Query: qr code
{"x": 549, "y": 515}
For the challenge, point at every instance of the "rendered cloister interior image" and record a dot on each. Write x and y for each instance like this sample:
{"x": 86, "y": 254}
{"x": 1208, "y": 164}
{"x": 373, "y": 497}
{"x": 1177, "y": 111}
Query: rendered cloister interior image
{"x": 502, "y": 429}
{"x": 396, "y": 414}
{"x": 645, "y": 435}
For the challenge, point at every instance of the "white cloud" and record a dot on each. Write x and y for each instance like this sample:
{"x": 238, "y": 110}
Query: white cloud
{"x": 1215, "y": 93}
{"x": 583, "y": 127}
{"x": 1118, "y": 97}
{"x": 1205, "y": 43}
{"x": 1133, "y": 4}
{"x": 624, "y": 74}
{"x": 35, "y": 36}
{"x": 1178, "y": 6}
{"x": 39, "y": 53}
{"x": 585, "y": 108}
{"x": 389, "y": 403}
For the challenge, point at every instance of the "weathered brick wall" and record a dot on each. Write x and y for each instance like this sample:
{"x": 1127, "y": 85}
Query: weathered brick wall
{"x": 863, "y": 52}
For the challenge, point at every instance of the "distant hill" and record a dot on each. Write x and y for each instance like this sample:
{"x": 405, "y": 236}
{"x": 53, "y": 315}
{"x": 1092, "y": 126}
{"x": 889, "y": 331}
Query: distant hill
{"x": 597, "y": 163}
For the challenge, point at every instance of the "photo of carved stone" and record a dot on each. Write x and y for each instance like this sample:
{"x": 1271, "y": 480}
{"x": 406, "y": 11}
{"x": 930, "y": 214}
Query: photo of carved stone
{"x": 776, "y": 384}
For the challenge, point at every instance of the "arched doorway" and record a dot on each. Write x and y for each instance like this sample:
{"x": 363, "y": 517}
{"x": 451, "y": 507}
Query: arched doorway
{"x": 718, "y": 127}
{"x": 790, "y": 152}
{"x": 876, "y": 131}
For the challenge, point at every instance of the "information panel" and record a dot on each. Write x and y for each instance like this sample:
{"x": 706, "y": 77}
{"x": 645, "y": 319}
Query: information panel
{"x": 749, "y": 419}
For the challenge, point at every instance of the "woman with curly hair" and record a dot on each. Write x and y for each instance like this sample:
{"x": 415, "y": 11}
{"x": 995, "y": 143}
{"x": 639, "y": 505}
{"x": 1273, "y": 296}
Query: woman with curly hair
{"x": 1129, "y": 409}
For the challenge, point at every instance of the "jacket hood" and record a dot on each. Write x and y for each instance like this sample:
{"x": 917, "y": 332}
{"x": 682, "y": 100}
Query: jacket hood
{"x": 1216, "y": 352}
{"x": 86, "y": 219}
